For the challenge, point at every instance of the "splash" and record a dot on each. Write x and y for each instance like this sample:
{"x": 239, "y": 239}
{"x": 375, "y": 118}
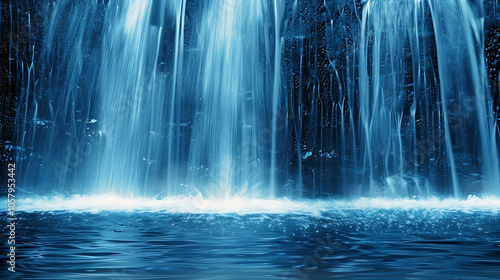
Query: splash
{"x": 246, "y": 206}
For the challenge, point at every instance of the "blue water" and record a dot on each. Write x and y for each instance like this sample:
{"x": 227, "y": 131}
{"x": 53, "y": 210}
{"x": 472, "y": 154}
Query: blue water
{"x": 338, "y": 244}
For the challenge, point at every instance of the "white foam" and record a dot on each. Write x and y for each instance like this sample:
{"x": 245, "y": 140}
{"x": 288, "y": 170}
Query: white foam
{"x": 242, "y": 205}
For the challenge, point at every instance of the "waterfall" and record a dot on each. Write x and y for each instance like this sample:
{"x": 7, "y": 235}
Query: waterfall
{"x": 263, "y": 99}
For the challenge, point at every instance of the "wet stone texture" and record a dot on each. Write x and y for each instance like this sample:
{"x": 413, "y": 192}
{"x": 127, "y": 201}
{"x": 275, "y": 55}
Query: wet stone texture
{"x": 493, "y": 61}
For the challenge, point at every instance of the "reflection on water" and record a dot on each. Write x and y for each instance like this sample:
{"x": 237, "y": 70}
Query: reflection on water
{"x": 347, "y": 243}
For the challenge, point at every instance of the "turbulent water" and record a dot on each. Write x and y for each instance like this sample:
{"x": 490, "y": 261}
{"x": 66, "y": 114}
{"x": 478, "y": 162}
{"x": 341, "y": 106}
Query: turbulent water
{"x": 369, "y": 244}
{"x": 259, "y": 99}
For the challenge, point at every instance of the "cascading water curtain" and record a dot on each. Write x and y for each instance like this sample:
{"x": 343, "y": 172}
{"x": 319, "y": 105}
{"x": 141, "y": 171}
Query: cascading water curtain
{"x": 394, "y": 85}
{"x": 467, "y": 105}
{"x": 258, "y": 98}
{"x": 415, "y": 119}
{"x": 134, "y": 100}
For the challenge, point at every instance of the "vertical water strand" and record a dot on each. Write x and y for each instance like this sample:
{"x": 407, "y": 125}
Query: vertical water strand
{"x": 466, "y": 104}
{"x": 229, "y": 152}
{"x": 293, "y": 75}
{"x": 343, "y": 165}
{"x": 22, "y": 115}
{"x": 473, "y": 15}
{"x": 352, "y": 94}
{"x": 442, "y": 59}
{"x": 132, "y": 96}
{"x": 388, "y": 28}
{"x": 173, "y": 148}
{"x": 417, "y": 72}
{"x": 278, "y": 14}
{"x": 297, "y": 106}
{"x": 299, "y": 112}
{"x": 364, "y": 88}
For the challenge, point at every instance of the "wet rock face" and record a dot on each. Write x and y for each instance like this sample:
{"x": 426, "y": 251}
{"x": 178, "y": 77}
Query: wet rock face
{"x": 492, "y": 53}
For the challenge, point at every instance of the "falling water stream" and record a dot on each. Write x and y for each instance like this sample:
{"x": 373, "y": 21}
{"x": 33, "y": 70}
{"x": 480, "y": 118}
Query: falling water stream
{"x": 229, "y": 154}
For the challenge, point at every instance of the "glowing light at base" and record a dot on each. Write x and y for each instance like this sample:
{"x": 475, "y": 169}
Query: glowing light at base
{"x": 244, "y": 206}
